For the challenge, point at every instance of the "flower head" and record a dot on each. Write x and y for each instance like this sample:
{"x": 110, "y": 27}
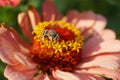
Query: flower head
{"x": 72, "y": 47}
{"x": 4, "y": 3}
{"x": 63, "y": 54}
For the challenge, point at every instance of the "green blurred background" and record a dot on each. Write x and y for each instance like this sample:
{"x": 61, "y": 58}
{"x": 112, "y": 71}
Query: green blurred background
{"x": 108, "y": 8}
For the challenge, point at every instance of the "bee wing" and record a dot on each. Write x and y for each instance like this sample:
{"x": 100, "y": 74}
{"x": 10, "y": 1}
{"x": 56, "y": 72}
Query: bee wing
{"x": 51, "y": 32}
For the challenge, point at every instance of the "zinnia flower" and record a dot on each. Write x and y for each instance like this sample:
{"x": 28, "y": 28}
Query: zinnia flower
{"x": 72, "y": 47}
{"x": 4, "y": 3}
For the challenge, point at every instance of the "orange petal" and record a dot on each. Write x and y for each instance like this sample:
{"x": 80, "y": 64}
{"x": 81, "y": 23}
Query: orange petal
{"x": 24, "y": 23}
{"x": 34, "y": 16}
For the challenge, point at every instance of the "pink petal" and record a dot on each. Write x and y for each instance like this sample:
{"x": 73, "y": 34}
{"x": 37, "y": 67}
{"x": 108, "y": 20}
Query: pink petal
{"x": 100, "y": 23}
{"x": 7, "y": 39}
{"x": 61, "y": 75}
{"x": 90, "y": 44}
{"x": 12, "y": 73}
{"x": 108, "y": 34}
{"x": 87, "y": 76}
{"x": 24, "y": 22}
{"x": 72, "y": 16}
{"x": 86, "y": 20}
{"x": 14, "y": 2}
{"x": 7, "y": 46}
{"x": 6, "y": 30}
{"x": 104, "y": 48}
{"x": 4, "y": 3}
{"x": 106, "y": 60}
{"x": 6, "y": 55}
{"x": 108, "y": 47}
{"x": 58, "y": 16}
{"x": 24, "y": 60}
{"x": 101, "y": 43}
{"x": 42, "y": 77}
{"x": 48, "y": 11}
{"x": 34, "y": 16}
{"x": 90, "y": 23}
{"x": 22, "y": 43}
{"x": 98, "y": 26}
{"x": 10, "y": 42}
{"x": 52, "y": 78}
{"x": 114, "y": 74}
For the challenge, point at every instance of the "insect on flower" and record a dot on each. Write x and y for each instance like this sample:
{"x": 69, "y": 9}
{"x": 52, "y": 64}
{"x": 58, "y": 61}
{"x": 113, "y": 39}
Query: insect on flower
{"x": 67, "y": 58}
{"x": 50, "y": 34}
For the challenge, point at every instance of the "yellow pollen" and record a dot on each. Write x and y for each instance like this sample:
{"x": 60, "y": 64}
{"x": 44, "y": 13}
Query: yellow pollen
{"x": 58, "y": 46}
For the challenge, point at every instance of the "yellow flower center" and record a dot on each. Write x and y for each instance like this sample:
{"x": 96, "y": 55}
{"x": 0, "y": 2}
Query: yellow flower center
{"x": 56, "y": 45}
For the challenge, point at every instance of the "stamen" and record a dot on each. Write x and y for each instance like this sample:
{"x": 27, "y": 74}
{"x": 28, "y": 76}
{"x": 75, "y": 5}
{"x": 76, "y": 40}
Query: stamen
{"x": 56, "y": 45}
{"x": 74, "y": 44}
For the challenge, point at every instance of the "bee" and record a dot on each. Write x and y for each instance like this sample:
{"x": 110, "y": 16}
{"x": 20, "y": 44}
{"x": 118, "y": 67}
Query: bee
{"x": 50, "y": 34}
